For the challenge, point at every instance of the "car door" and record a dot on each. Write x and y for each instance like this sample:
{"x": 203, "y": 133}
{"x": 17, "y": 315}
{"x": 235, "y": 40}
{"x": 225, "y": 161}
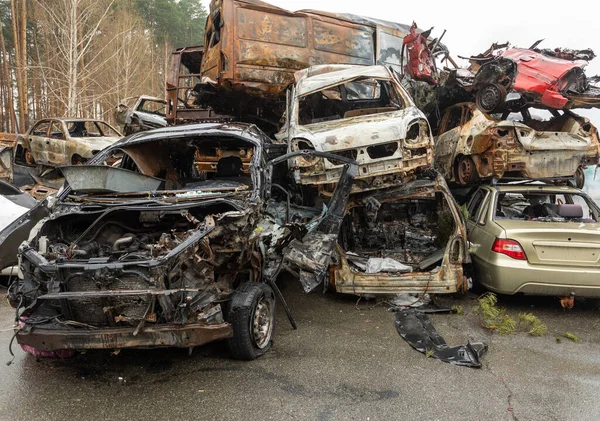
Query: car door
{"x": 57, "y": 144}
{"x": 37, "y": 141}
{"x": 478, "y": 220}
{"x": 447, "y": 140}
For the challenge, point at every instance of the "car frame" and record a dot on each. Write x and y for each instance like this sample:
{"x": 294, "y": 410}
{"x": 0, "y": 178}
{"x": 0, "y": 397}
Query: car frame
{"x": 50, "y": 142}
{"x": 131, "y": 114}
{"x": 545, "y": 255}
{"x": 391, "y": 143}
{"x": 471, "y": 146}
{"x": 210, "y": 273}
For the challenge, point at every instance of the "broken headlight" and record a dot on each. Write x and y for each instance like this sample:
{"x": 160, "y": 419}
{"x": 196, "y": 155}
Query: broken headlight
{"x": 417, "y": 132}
{"x": 301, "y": 145}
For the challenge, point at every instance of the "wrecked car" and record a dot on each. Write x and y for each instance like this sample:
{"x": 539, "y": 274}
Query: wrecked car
{"x": 359, "y": 112}
{"x": 407, "y": 239}
{"x": 178, "y": 245}
{"x": 472, "y": 145}
{"x": 7, "y": 149}
{"x": 545, "y": 77}
{"x": 253, "y": 48}
{"x": 64, "y": 141}
{"x": 535, "y": 238}
{"x": 141, "y": 113}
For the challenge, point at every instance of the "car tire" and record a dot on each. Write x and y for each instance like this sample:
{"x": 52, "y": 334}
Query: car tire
{"x": 28, "y": 158}
{"x": 579, "y": 177}
{"x": 490, "y": 97}
{"x": 466, "y": 171}
{"x": 252, "y": 317}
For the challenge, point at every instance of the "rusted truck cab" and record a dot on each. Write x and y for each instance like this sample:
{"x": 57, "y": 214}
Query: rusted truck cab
{"x": 252, "y": 50}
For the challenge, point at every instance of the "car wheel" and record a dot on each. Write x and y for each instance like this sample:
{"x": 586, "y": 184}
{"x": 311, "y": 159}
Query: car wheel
{"x": 252, "y": 317}
{"x": 579, "y": 178}
{"x": 490, "y": 97}
{"x": 29, "y": 158}
{"x": 466, "y": 171}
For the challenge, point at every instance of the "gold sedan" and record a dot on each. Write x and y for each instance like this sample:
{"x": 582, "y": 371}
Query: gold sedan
{"x": 535, "y": 238}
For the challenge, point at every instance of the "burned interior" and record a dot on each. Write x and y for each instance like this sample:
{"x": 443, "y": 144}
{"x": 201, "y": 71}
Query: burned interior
{"x": 360, "y": 113}
{"x": 524, "y": 142}
{"x": 163, "y": 241}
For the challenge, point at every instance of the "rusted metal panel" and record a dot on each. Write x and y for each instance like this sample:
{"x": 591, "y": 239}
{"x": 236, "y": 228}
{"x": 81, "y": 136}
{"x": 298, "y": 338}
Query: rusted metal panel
{"x": 178, "y": 336}
{"x": 531, "y": 149}
{"x": 259, "y": 46}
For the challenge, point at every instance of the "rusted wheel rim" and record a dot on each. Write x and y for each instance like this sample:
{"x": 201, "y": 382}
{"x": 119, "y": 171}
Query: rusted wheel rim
{"x": 29, "y": 157}
{"x": 489, "y": 98}
{"x": 262, "y": 323}
{"x": 465, "y": 170}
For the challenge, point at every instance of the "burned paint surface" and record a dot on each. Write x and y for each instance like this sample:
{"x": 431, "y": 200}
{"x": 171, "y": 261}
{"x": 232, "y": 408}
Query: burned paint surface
{"x": 417, "y": 225}
{"x": 55, "y": 142}
{"x": 8, "y": 143}
{"x": 360, "y": 113}
{"x": 531, "y": 148}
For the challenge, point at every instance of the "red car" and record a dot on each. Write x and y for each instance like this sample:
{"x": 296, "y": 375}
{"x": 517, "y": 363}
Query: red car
{"x": 540, "y": 78}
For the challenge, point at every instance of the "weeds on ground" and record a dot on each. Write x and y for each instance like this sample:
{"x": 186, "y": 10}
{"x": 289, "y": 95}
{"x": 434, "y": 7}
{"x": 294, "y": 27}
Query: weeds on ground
{"x": 571, "y": 337}
{"x": 496, "y": 319}
{"x": 457, "y": 310}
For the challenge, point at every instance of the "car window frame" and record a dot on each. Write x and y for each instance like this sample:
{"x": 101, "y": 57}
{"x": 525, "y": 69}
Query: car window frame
{"x": 61, "y": 128}
{"x": 39, "y": 123}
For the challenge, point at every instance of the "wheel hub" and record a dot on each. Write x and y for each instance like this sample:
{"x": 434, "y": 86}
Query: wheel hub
{"x": 490, "y": 98}
{"x": 262, "y": 324}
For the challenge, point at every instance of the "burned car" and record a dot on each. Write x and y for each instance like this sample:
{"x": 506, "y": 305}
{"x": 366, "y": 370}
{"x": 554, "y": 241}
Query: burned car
{"x": 54, "y": 142}
{"x": 141, "y": 113}
{"x": 407, "y": 239}
{"x": 359, "y": 112}
{"x": 551, "y": 78}
{"x": 472, "y": 145}
{"x": 177, "y": 246}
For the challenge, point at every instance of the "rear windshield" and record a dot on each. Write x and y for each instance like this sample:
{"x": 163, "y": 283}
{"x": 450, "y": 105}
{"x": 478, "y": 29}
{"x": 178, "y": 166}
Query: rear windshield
{"x": 545, "y": 207}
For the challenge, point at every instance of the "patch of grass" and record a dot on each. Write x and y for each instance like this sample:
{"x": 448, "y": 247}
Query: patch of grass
{"x": 429, "y": 353}
{"x": 457, "y": 310}
{"x": 558, "y": 340}
{"x": 496, "y": 319}
{"x": 571, "y": 337}
{"x": 492, "y": 317}
{"x": 532, "y": 324}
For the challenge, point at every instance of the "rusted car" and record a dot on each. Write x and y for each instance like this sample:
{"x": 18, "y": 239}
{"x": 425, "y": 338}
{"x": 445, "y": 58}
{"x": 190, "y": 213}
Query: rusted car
{"x": 177, "y": 246}
{"x": 552, "y": 79}
{"x": 54, "y": 142}
{"x": 252, "y": 49}
{"x": 359, "y": 112}
{"x": 472, "y": 145}
{"x": 8, "y": 143}
{"x": 407, "y": 239}
{"x": 141, "y": 113}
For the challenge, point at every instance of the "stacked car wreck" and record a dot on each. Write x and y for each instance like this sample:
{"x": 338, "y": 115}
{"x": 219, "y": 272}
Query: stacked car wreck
{"x": 295, "y": 144}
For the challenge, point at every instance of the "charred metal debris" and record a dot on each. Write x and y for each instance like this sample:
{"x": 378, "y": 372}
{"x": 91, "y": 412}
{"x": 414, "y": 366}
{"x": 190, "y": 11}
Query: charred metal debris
{"x": 266, "y": 157}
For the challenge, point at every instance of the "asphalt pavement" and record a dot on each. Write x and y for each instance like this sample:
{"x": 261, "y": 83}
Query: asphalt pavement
{"x": 346, "y": 361}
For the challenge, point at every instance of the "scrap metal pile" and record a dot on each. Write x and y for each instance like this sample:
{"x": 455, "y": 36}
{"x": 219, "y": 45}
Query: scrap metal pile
{"x": 348, "y": 130}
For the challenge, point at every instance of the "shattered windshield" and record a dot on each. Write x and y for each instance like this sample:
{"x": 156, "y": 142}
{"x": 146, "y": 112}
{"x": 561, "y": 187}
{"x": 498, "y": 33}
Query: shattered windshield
{"x": 350, "y": 99}
{"x": 186, "y": 168}
{"x": 544, "y": 207}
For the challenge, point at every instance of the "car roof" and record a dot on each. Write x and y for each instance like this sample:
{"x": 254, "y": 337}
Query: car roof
{"x": 69, "y": 119}
{"x": 245, "y": 131}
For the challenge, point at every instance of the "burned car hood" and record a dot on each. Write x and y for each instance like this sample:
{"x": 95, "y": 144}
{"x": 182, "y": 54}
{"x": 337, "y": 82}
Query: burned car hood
{"x": 97, "y": 143}
{"x": 155, "y": 120}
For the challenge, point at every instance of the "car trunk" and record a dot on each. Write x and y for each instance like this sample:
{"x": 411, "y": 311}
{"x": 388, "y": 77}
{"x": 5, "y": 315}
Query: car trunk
{"x": 562, "y": 244}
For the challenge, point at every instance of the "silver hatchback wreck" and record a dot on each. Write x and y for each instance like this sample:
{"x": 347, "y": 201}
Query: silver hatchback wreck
{"x": 361, "y": 113}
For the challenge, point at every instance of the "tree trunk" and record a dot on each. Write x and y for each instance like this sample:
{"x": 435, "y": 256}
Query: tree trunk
{"x": 10, "y": 106}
